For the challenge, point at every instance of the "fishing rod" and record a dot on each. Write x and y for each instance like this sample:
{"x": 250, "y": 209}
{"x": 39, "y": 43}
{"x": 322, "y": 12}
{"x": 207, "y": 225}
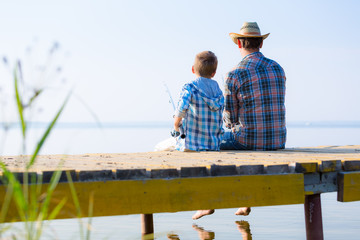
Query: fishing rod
{"x": 174, "y": 133}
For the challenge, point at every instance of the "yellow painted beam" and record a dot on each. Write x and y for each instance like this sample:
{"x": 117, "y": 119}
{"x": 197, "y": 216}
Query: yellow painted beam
{"x": 178, "y": 194}
{"x": 349, "y": 186}
{"x": 306, "y": 167}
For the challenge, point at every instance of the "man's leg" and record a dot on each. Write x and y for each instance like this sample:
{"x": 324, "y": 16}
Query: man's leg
{"x": 229, "y": 142}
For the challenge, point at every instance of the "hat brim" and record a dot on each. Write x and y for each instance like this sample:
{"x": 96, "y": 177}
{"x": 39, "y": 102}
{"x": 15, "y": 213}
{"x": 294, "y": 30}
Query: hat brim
{"x": 235, "y": 36}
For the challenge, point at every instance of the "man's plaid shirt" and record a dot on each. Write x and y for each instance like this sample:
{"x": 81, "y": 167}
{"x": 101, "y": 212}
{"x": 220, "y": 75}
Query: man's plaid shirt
{"x": 254, "y": 99}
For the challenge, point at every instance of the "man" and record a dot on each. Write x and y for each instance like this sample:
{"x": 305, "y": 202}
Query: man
{"x": 254, "y": 97}
{"x": 254, "y": 101}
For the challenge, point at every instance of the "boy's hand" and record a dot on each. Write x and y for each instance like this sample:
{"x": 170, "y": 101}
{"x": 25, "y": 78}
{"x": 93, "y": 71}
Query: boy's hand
{"x": 175, "y": 133}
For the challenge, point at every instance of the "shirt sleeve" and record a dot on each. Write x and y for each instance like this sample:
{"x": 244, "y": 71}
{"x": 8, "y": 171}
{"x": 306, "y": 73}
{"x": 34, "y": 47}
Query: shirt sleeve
{"x": 231, "y": 108}
{"x": 184, "y": 102}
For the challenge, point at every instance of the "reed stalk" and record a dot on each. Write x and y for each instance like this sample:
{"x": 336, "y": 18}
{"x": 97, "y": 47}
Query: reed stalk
{"x": 29, "y": 198}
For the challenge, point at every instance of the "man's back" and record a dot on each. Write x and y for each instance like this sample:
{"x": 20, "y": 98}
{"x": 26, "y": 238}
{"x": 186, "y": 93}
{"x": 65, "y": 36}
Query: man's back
{"x": 255, "y": 97}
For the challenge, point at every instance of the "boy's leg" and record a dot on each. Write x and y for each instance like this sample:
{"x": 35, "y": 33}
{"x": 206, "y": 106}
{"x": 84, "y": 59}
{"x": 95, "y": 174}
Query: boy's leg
{"x": 244, "y": 229}
{"x": 201, "y": 213}
{"x": 243, "y": 211}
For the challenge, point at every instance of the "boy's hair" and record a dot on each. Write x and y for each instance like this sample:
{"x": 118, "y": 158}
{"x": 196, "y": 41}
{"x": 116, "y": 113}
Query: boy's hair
{"x": 205, "y": 64}
{"x": 251, "y": 43}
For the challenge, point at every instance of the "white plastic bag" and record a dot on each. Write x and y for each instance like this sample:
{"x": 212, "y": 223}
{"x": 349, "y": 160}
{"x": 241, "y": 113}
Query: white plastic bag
{"x": 166, "y": 145}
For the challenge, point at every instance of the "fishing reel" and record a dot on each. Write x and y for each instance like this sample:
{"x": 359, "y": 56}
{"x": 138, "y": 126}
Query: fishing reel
{"x": 180, "y": 133}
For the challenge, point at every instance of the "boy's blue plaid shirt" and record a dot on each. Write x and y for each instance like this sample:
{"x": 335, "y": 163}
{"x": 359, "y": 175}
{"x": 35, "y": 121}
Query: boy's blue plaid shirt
{"x": 202, "y": 117}
{"x": 254, "y": 98}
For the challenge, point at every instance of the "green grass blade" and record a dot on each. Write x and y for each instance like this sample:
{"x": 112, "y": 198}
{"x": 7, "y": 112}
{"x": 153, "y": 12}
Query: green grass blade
{"x": 43, "y": 214}
{"x": 57, "y": 209}
{"x": 74, "y": 195}
{"x": 46, "y": 134}
{"x": 19, "y": 104}
{"x": 18, "y": 195}
{"x": 6, "y": 204}
{"x": 36, "y": 95}
{"x": 45, "y": 206}
{"x": 76, "y": 203}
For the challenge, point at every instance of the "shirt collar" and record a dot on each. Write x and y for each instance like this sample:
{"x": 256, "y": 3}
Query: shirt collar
{"x": 253, "y": 55}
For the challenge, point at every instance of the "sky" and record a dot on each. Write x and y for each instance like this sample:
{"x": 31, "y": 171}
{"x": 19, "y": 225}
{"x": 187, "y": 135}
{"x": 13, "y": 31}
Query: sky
{"x": 115, "y": 56}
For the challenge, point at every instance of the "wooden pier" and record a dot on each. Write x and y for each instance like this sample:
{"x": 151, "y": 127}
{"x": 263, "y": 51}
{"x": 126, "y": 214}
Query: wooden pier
{"x": 154, "y": 182}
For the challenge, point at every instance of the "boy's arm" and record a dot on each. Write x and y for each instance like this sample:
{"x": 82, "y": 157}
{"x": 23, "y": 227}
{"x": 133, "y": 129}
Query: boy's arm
{"x": 177, "y": 123}
{"x": 184, "y": 102}
{"x": 182, "y": 106}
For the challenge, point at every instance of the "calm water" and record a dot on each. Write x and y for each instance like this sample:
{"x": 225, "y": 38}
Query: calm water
{"x": 340, "y": 220}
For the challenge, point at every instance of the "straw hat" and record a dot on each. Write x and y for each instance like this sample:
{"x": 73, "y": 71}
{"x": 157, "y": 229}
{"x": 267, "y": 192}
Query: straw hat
{"x": 248, "y": 29}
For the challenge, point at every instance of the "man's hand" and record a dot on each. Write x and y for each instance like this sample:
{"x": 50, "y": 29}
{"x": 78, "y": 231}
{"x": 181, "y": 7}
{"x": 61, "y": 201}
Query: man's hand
{"x": 235, "y": 127}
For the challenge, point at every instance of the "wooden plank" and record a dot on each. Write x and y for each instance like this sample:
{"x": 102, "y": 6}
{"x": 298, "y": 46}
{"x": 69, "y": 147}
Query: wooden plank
{"x": 351, "y": 165}
{"x": 178, "y": 159}
{"x": 330, "y": 166}
{"x": 349, "y": 186}
{"x": 98, "y": 175}
{"x": 223, "y": 170}
{"x": 194, "y": 172}
{"x": 46, "y": 176}
{"x": 130, "y": 173}
{"x": 277, "y": 169}
{"x": 178, "y": 194}
{"x": 316, "y": 183}
{"x": 251, "y": 169}
{"x": 164, "y": 173}
{"x": 304, "y": 167}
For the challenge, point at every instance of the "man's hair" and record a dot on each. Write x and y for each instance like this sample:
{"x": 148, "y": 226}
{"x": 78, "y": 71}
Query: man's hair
{"x": 251, "y": 43}
{"x": 205, "y": 64}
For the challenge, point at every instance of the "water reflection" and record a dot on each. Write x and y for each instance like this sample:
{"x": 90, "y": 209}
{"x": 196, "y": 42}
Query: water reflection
{"x": 204, "y": 234}
{"x": 173, "y": 236}
{"x": 243, "y": 227}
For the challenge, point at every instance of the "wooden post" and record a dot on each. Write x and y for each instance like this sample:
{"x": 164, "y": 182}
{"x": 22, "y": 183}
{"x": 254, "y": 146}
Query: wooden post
{"x": 147, "y": 224}
{"x": 313, "y": 218}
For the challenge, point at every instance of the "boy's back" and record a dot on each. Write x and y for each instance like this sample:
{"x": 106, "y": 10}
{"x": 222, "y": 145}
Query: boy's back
{"x": 201, "y": 104}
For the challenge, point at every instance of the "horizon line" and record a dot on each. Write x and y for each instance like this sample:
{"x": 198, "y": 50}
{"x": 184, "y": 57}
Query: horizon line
{"x": 161, "y": 124}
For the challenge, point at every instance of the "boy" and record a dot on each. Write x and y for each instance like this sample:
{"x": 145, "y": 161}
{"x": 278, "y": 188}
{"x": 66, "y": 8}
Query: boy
{"x": 200, "y": 107}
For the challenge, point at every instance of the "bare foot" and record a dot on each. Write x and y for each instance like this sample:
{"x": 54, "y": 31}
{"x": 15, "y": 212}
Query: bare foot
{"x": 204, "y": 234}
{"x": 244, "y": 229}
{"x": 243, "y": 211}
{"x": 201, "y": 213}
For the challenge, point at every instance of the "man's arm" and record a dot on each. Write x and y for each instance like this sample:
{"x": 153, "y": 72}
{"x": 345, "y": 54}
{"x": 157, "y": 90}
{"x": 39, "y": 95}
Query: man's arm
{"x": 231, "y": 109}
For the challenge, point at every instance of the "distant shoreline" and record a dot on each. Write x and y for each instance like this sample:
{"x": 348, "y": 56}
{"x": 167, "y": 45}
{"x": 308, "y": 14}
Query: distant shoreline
{"x": 167, "y": 124}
